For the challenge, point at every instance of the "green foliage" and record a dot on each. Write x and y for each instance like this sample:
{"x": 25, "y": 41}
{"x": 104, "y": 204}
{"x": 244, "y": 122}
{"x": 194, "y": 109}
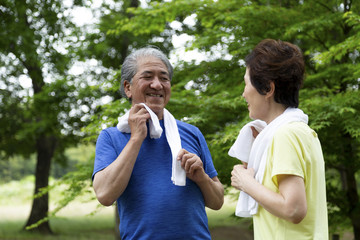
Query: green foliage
{"x": 208, "y": 93}
{"x": 205, "y": 93}
{"x": 35, "y": 45}
{"x": 160, "y": 13}
{"x": 17, "y": 167}
{"x": 43, "y": 105}
{"x": 347, "y": 47}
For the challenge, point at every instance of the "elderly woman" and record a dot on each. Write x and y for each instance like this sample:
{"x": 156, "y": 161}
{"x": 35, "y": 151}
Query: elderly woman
{"x": 282, "y": 180}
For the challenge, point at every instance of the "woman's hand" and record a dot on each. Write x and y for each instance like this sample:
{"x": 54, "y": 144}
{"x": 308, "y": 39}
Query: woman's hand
{"x": 241, "y": 176}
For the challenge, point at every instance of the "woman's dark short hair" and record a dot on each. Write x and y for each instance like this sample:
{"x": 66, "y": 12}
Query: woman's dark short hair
{"x": 281, "y": 63}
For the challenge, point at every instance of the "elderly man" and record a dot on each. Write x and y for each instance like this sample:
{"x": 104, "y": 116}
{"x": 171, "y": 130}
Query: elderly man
{"x": 157, "y": 168}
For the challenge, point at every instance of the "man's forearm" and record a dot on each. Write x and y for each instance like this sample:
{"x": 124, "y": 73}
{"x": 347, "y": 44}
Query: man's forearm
{"x": 213, "y": 192}
{"x": 111, "y": 182}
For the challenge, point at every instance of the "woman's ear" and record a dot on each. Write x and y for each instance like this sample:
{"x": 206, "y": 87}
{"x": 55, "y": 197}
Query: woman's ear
{"x": 271, "y": 92}
{"x": 127, "y": 89}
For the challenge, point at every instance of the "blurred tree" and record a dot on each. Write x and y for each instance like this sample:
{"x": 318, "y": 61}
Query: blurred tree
{"x": 16, "y": 168}
{"x": 208, "y": 93}
{"x": 109, "y": 51}
{"x": 43, "y": 106}
{"x": 332, "y": 98}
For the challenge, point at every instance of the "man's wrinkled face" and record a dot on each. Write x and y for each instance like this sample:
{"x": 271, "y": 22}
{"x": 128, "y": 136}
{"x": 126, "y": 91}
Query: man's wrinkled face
{"x": 150, "y": 85}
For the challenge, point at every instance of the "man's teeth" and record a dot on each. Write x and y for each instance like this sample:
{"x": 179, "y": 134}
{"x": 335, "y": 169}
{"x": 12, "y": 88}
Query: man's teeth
{"x": 154, "y": 95}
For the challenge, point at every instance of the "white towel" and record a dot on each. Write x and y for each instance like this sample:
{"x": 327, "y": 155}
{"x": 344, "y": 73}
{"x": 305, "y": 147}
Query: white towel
{"x": 254, "y": 152}
{"x": 242, "y": 146}
{"x": 178, "y": 175}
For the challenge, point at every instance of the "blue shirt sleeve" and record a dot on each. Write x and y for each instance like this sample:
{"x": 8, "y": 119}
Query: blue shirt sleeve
{"x": 206, "y": 156}
{"x": 105, "y": 152}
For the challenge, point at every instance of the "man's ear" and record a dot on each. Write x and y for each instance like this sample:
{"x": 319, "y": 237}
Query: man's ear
{"x": 127, "y": 88}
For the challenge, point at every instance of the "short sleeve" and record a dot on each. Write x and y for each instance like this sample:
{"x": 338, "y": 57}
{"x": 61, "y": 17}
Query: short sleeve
{"x": 206, "y": 156}
{"x": 105, "y": 152}
{"x": 287, "y": 154}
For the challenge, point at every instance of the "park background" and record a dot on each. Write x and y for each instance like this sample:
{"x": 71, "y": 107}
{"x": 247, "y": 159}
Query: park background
{"x": 59, "y": 86}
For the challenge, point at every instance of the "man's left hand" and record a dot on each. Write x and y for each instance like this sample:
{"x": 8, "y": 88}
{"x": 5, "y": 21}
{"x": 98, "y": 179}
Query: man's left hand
{"x": 192, "y": 164}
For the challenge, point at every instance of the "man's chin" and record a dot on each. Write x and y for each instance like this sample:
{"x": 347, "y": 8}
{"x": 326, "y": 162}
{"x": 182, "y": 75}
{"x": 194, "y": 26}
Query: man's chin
{"x": 156, "y": 108}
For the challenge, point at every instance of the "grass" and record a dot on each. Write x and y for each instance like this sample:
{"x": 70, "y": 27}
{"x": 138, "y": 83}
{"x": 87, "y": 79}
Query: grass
{"x": 82, "y": 219}
{"x": 68, "y": 226}
{"x": 64, "y": 228}
{"x": 73, "y": 222}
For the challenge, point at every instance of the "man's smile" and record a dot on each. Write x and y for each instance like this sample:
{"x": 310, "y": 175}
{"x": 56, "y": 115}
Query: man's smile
{"x": 154, "y": 95}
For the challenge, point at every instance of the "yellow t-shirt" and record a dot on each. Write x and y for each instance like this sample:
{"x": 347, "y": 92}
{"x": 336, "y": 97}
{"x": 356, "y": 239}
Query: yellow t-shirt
{"x": 296, "y": 150}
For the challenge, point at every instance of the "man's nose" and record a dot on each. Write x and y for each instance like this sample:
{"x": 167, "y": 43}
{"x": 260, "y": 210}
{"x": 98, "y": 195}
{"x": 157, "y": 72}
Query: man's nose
{"x": 156, "y": 83}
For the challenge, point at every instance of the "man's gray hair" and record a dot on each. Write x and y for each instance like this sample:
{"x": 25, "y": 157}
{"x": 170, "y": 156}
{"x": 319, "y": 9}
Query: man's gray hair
{"x": 129, "y": 67}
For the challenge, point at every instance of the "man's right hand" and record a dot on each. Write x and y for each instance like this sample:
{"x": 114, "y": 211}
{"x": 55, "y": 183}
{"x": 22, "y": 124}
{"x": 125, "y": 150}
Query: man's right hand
{"x": 138, "y": 116}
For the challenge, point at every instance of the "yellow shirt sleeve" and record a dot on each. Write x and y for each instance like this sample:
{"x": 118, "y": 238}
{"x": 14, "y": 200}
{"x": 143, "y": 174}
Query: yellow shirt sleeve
{"x": 296, "y": 150}
{"x": 289, "y": 151}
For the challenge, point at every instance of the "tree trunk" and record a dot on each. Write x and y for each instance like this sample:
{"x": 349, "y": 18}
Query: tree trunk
{"x": 40, "y": 206}
{"x": 335, "y": 237}
{"x": 354, "y": 203}
{"x": 350, "y": 185}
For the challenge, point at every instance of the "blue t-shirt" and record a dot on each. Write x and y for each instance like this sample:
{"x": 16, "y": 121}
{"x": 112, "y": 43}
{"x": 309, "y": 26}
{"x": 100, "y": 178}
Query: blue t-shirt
{"x": 152, "y": 207}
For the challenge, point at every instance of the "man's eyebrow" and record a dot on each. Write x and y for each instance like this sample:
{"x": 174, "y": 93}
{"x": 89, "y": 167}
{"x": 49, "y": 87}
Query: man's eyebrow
{"x": 146, "y": 72}
{"x": 151, "y": 72}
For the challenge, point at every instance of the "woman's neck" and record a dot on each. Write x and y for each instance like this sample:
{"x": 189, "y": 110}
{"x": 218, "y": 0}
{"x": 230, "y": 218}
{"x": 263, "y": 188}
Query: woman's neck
{"x": 275, "y": 111}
